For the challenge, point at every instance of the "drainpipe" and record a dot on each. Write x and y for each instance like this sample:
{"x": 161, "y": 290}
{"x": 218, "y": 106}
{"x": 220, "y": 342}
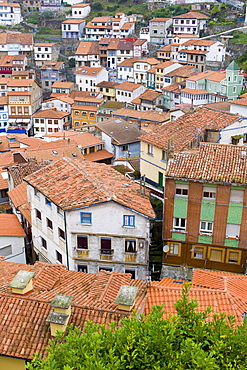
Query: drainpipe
{"x": 66, "y": 240}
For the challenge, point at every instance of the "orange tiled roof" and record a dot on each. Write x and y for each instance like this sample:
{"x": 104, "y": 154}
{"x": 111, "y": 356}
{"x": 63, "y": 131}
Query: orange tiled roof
{"x": 3, "y": 179}
{"x": 53, "y": 154}
{"x": 10, "y": 225}
{"x": 89, "y": 71}
{"x": 18, "y": 196}
{"x": 219, "y": 300}
{"x": 127, "y": 62}
{"x": 51, "y": 113}
{"x": 73, "y": 21}
{"x": 65, "y": 85}
{"x": 150, "y": 115}
{"x": 159, "y": 19}
{"x": 214, "y": 162}
{"x": 88, "y": 184}
{"x": 192, "y": 15}
{"x": 187, "y": 127}
{"x": 25, "y": 331}
{"x": 185, "y": 71}
{"x": 129, "y": 86}
{"x": 242, "y": 101}
{"x": 20, "y": 170}
{"x": 87, "y": 48}
{"x": 98, "y": 156}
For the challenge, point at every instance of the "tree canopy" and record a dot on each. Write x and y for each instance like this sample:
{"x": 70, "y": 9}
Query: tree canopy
{"x": 183, "y": 341}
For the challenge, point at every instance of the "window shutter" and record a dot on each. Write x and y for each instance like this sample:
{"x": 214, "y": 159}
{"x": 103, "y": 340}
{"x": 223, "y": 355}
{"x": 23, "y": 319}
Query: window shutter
{"x": 216, "y": 255}
{"x": 233, "y": 257}
{"x": 236, "y": 196}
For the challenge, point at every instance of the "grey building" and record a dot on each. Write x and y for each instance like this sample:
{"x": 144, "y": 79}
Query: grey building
{"x": 158, "y": 30}
{"x": 52, "y": 72}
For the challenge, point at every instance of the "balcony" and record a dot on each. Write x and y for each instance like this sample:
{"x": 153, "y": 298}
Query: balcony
{"x": 82, "y": 253}
{"x": 106, "y": 254}
{"x": 130, "y": 257}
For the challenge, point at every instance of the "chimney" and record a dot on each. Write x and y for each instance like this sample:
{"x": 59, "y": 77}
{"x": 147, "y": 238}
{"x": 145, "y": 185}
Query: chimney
{"x": 22, "y": 282}
{"x": 59, "y": 318}
{"x": 126, "y": 297}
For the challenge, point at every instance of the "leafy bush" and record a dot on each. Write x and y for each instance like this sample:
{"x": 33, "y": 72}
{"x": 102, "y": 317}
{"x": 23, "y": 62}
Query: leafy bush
{"x": 183, "y": 341}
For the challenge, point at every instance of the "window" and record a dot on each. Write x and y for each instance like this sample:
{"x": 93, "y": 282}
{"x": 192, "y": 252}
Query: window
{"x": 86, "y": 218}
{"x": 130, "y": 245}
{"x": 234, "y": 89}
{"x": 105, "y": 246}
{"x": 206, "y": 227}
{"x": 150, "y": 149}
{"x": 125, "y": 148}
{"x": 164, "y": 155}
{"x": 198, "y": 252}
{"x": 82, "y": 268}
{"x": 48, "y": 202}
{"x": 233, "y": 256}
{"x": 61, "y": 233}
{"x": 182, "y": 190}
{"x": 209, "y": 192}
{"x": 105, "y": 268}
{"x": 4, "y": 193}
{"x": 43, "y": 243}
{"x": 38, "y": 215}
{"x": 36, "y": 193}
{"x": 174, "y": 249}
{"x": 216, "y": 255}
{"x": 236, "y": 196}
{"x": 179, "y": 223}
{"x": 59, "y": 257}
{"x": 49, "y": 223}
{"x": 129, "y": 221}
{"x": 232, "y": 231}
{"x": 131, "y": 271}
{"x": 82, "y": 242}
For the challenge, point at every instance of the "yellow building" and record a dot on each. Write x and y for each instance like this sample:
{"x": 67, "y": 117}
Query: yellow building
{"x": 153, "y": 163}
{"x": 107, "y": 89}
{"x": 84, "y": 117}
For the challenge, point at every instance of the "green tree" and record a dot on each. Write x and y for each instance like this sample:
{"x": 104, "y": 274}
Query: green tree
{"x": 97, "y": 6}
{"x": 215, "y": 9}
{"x": 184, "y": 341}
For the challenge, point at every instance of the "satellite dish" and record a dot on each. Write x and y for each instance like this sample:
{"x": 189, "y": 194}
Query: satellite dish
{"x": 166, "y": 248}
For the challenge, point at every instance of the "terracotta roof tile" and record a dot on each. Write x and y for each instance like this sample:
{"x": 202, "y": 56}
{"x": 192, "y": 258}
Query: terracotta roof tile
{"x": 19, "y": 171}
{"x": 188, "y": 127}
{"x": 51, "y": 113}
{"x": 150, "y": 115}
{"x": 73, "y": 21}
{"x": 242, "y": 101}
{"x": 98, "y": 156}
{"x": 10, "y": 225}
{"x": 65, "y": 85}
{"x": 159, "y": 19}
{"x": 89, "y": 71}
{"x": 185, "y": 71}
{"x": 212, "y": 164}
{"x": 129, "y": 86}
{"x": 87, "y": 48}
{"x": 23, "y": 318}
{"x": 88, "y": 183}
{"x": 192, "y": 15}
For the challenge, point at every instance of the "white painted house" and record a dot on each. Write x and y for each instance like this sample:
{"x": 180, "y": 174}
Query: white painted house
{"x": 61, "y": 103}
{"x": 89, "y": 217}
{"x": 127, "y": 91}
{"x": 12, "y": 239}
{"x": 49, "y": 121}
{"x": 44, "y": 52}
{"x": 141, "y": 67}
{"x": 80, "y": 10}
{"x": 88, "y": 77}
{"x": 10, "y": 14}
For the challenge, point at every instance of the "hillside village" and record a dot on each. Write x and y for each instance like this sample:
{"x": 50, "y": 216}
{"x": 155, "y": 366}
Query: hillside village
{"x": 122, "y": 176}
